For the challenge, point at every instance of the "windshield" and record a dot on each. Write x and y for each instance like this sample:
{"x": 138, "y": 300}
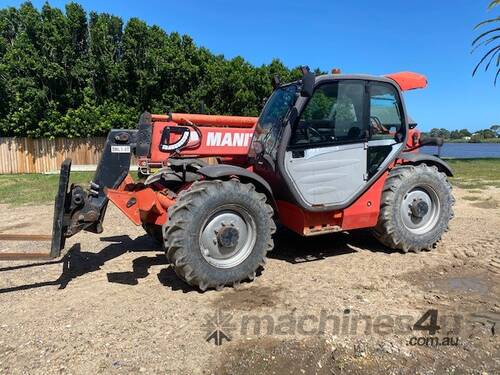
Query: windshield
{"x": 270, "y": 122}
{"x": 277, "y": 107}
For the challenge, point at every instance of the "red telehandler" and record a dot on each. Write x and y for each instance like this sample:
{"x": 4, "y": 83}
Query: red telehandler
{"x": 328, "y": 153}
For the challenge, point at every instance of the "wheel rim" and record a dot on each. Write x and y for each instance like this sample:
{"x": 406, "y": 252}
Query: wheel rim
{"x": 228, "y": 236}
{"x": 420, "y": 209}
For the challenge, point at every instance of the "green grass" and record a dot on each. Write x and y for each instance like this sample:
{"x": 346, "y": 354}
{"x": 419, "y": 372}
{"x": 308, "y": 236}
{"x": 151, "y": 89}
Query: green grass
{"x": 19, "y": 189}
{"x": 475, "y": 173}
{"x": 487, "y": 140}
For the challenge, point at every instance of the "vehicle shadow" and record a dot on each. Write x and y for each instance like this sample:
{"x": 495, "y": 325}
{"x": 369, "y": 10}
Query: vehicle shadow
{"x": 293, "y": 248}
{"x": 76, "y": 263}
{"x": 289, "y": 247}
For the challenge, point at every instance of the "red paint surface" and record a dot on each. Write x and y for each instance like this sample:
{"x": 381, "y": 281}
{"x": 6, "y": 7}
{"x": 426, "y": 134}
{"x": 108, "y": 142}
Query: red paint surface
{"x": 150, "y": 205}
{"x": 208, "y": 120}
{"x": 363, "y": 213}
{"x": 408, "y": 80}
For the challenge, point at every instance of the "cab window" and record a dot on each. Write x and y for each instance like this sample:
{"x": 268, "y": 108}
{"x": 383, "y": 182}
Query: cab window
{"x": 333, "y": 115}
{"x": 386, "y": 120}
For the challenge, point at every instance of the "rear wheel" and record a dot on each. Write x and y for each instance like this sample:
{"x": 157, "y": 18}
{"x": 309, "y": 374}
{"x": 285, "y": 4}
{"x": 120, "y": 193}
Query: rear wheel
{"x": 218, "y": 233}
{"x": 416, "y": 207}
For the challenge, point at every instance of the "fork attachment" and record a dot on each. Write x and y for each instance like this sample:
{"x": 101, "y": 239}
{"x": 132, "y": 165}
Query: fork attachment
{"x": 82, "y": 208}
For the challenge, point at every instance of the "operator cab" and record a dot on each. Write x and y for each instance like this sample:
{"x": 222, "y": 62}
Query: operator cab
{"x": 323, "y": 140}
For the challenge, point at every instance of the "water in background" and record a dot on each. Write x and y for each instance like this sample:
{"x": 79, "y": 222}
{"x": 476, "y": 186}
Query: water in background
{"x": 465, "y": 150}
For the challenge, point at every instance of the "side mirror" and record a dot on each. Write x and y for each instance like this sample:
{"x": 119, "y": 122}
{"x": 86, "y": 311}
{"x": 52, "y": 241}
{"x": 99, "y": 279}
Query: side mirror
{"x": 308, "y": 80}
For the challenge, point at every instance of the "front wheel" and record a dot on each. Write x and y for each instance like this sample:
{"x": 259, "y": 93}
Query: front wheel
{"x": 416, "y": 207}
{"x": 218, "y": 233}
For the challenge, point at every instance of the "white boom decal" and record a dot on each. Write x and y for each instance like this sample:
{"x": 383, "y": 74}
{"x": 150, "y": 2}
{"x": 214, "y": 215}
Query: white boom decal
{"x": 220, "y": 139}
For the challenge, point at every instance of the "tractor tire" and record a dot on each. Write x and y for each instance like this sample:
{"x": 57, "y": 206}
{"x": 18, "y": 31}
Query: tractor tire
{"x": 218, "y": 233}
{"x": 416, "y": 207}
{"x": 154, "y": 231}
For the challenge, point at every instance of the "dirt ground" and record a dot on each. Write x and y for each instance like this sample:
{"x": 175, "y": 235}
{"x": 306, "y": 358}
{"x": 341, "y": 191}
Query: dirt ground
{"x": 113, "y": 305}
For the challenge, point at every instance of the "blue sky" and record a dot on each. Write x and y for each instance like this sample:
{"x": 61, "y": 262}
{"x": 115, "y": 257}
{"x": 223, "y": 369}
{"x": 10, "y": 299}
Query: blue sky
{"x": 430, "y": 37}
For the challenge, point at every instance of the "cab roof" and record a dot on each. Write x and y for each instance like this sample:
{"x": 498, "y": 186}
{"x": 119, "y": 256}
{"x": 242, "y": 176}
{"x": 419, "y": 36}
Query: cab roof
{"x": 408, "y": 80}
{"x": 405, "y": 80}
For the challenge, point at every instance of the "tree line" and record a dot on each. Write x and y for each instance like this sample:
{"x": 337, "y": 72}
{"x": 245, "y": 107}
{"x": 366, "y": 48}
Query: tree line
{"x": 75, "y": 74}
{"x": 483, "y": 135}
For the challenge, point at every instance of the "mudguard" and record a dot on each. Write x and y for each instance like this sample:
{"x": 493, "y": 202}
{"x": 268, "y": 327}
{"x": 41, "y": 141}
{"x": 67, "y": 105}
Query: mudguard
{"x": 417, "y": 157}
{"x": 225, "y": 170}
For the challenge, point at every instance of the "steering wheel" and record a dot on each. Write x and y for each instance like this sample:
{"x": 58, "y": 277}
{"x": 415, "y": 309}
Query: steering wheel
{"x": 377, "y": 126}
{"x": 315, "y": 132}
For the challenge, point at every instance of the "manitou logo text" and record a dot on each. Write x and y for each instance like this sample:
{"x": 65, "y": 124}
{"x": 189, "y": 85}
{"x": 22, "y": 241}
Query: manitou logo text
{"x": 221, "y": 139}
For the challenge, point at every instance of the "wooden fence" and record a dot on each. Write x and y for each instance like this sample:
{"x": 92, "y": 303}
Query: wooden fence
{"x": 27, "y": 155}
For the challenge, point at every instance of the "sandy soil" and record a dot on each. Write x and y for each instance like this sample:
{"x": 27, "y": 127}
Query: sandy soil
{"x": 113, "y": 305}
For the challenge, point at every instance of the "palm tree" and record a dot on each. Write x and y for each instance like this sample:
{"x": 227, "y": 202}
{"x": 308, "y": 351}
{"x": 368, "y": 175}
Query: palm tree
{"x": 486, "y": 38}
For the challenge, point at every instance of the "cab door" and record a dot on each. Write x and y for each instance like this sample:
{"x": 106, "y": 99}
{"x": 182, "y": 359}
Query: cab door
{"x": 326, "y": 159}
